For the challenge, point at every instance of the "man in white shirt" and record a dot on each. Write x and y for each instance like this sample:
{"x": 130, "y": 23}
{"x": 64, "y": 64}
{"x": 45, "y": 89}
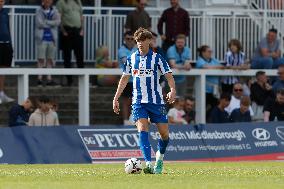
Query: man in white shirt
{"x": 236, "y": 99}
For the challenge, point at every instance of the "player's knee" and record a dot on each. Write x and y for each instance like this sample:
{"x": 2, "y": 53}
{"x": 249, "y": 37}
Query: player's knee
{"x": 165, "y": 135}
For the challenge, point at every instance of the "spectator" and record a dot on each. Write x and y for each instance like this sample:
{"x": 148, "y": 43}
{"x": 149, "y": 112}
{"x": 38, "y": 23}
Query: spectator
{"x": 123, "y": 52}
{"x": 234, "y": 59}
{"x": 6, "y": 50}
{"x": 279, "y": 84}
{"x": 242, "y": 114}
{"x": 260, "y": 91}
{"x": 206, "y": 61}
{"x": 43, "y": 116}
{"x": 155, "y": 46}
{"x": 236, "y": 99}
{"x": 47, "y": 22}
{"x": 218, "y": 113}
{"x": 189, "y": 110}
{"x": 179, "y": 56}
{"x": 176, "y": 114}
{"x": 19, "y": 114}
{"x": 274, "y": 107}
{"x": 138, "y": 18}
{"x": 71, "y": 33}
{"x": 103, "y": 61}
{"x": 177, "y": 22}
{"x": 267, "y": 54}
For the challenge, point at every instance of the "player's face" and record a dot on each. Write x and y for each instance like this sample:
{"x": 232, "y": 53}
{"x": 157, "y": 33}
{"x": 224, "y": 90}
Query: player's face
{"x": 225, "y": 102}
{"x": 2, "y": 2}
{"x": 180, "y": 43}
{"x": 47, "y": 3}
{"x": 143, "y": 46}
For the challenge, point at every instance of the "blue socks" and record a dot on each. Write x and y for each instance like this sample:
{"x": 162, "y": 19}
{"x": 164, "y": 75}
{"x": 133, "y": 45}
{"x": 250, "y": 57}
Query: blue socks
{"x": 162, "y": 145}
{"x": 145, "y": 145}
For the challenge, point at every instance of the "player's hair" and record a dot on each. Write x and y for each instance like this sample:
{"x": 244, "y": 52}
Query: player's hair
{"x": 142, "y": 34}
{"x": 259, "y": 73}
{"x": 236, "y": 43}
{"x": 202, "y": 49}
{"x": 154, "y": 34}
{"x": 180, "y": 36}
{"x": 273, "y": 30}
{"x": 127, "y": 33}
{"x": 245, "y": 100}
{"x": 225, "y": 96}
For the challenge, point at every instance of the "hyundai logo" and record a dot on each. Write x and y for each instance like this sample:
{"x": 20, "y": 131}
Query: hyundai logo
{"x": 260, "y": 134}
{"x": 280, "y": 132}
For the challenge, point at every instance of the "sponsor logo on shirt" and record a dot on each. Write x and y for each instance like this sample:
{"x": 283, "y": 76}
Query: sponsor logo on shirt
{"x": 143, "y": 72}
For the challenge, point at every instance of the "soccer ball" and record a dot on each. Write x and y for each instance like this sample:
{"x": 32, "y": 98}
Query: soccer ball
{"x": 133, "y": 166}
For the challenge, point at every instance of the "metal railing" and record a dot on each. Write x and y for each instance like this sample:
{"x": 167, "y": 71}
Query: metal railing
{"x": 105, "y": 26}
{"x": 23, "y": 75}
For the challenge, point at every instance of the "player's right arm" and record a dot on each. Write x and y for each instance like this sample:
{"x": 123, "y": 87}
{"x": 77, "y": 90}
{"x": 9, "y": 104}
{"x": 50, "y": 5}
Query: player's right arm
{"x": 121, "y": 86}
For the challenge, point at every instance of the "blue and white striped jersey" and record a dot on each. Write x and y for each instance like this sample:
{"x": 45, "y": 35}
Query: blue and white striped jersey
{"x": 146, "y": 72}
{"x": 232, "y": 59}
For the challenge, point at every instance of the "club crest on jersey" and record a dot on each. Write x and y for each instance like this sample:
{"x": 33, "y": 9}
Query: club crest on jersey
{"x": 142, "y": 72}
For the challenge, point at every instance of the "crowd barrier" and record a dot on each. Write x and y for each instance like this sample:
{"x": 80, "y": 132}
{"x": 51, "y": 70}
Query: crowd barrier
{"x": 74, "y": 144}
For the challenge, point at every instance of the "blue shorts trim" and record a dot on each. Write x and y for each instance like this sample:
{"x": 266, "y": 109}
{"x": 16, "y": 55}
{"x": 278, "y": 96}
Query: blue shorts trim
{"x": 156, "y": 112}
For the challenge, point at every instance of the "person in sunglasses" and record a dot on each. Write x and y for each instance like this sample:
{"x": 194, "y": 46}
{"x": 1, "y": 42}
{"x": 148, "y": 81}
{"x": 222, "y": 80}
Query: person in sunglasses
{"x": 236, "y": 99}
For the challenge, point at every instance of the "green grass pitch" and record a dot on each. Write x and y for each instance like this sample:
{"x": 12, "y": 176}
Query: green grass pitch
{"x": 236, "y": 175}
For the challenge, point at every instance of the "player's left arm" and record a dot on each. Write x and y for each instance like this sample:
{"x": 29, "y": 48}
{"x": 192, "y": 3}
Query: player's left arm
{"x": 171, "y": 96}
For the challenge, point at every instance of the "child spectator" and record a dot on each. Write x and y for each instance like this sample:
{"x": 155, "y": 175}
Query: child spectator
{"x": 242, "y": 114}
{"x": 47, "y": 22}
{"x": 176, "y": 114}
{"x": 103, "y": 61}
{"x": 19, "y": 114}
{"x": 234, "y": 59}
{"x": 43, "y": 116}
{"x": 218, "y": 113}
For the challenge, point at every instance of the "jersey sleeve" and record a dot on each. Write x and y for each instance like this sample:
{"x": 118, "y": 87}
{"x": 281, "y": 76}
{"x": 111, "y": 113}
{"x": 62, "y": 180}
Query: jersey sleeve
{"x": 127, "y": 67}
{"x": 163, "y": 65}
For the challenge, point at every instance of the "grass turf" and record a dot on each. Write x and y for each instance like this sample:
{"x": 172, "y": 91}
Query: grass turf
{"x": 238, "y": 175}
